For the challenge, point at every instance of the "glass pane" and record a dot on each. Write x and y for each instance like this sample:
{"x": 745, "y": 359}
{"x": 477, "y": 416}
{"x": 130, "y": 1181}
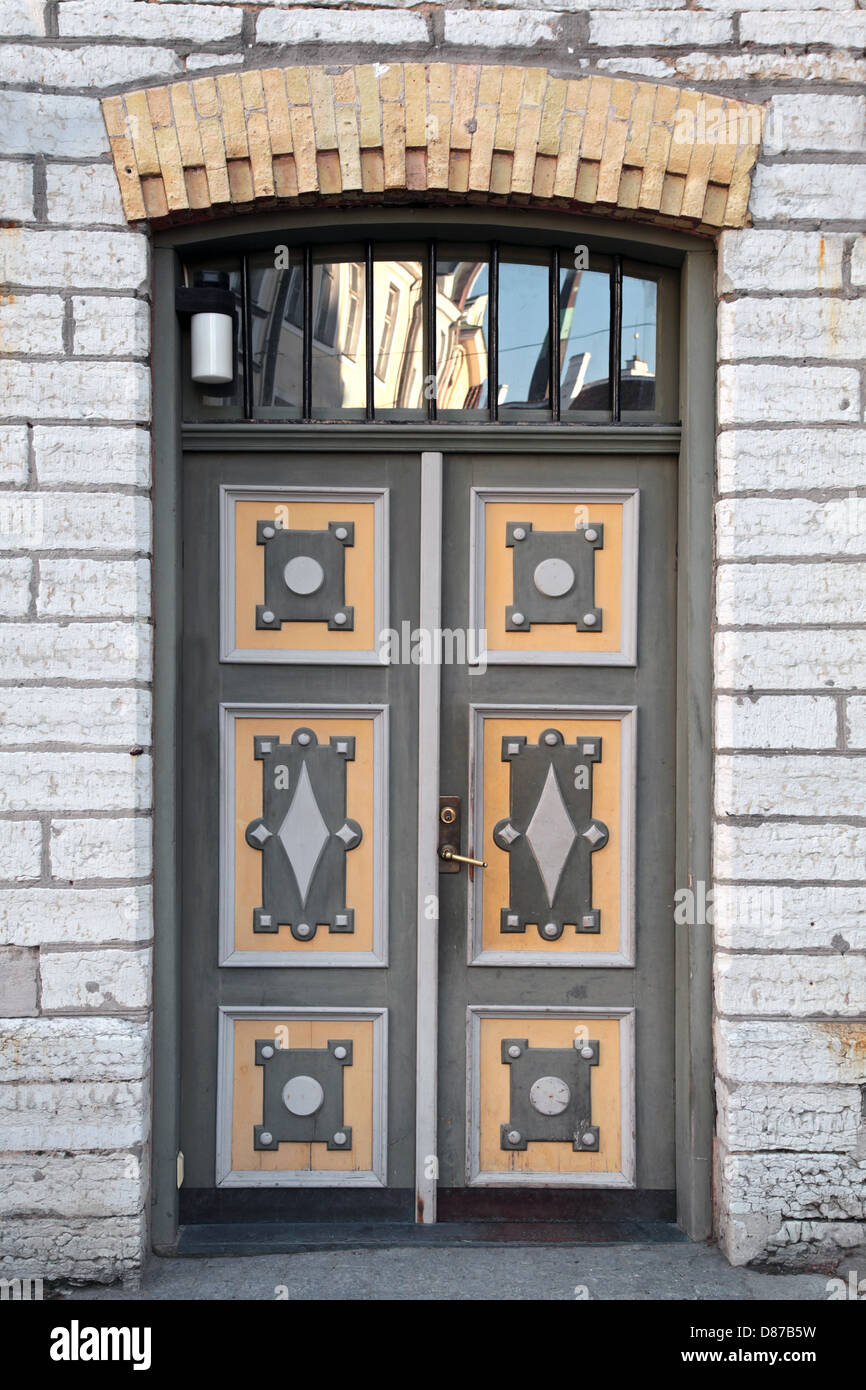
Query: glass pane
{"x": 339, "y": 380}
{"x": 584, "y": 340}
{"x": 462, "y": 295}
{"x": 277, "y": 327}
{"x": 638, "y": 365}
{"x": 398, "y": 335}
{"x": 524, "y": 342}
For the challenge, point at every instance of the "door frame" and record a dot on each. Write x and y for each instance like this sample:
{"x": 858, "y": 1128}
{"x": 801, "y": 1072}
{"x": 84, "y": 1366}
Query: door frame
{"x": 693, "y": 441}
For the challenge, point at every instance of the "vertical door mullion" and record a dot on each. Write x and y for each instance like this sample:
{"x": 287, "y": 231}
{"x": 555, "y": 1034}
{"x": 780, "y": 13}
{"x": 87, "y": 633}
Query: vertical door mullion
{"x": 427, "y": 984}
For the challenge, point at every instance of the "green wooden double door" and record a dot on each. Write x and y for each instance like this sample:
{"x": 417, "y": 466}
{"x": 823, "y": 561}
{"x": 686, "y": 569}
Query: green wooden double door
{"x": 395, "y": 663}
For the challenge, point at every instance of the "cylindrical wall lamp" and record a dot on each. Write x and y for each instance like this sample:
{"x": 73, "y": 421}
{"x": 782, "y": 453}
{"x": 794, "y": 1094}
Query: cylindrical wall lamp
{"x": 210, "y": 306}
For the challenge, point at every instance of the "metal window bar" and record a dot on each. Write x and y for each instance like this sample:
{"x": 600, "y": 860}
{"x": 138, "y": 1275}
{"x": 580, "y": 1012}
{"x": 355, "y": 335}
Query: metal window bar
{"x": 615, "y": 338}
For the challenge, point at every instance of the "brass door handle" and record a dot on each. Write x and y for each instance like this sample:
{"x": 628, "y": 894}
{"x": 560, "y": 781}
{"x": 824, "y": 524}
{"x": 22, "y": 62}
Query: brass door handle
{"x": 448, "y": 853}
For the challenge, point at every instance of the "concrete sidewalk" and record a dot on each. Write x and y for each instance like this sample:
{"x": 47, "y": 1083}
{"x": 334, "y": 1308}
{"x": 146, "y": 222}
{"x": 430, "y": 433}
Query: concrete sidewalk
{"x": 663, "y": 1272}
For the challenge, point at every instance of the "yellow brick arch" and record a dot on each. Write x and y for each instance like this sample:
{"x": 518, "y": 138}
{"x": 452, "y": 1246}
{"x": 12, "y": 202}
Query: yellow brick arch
{"x": 442, "y": 132}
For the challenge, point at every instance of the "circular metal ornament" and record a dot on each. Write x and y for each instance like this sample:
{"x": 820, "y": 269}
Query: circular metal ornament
{"x": 304, "y": 575}
{"x": 549, "y": 1095}
{"x": 303, "y": 1095}
{"x": 589, "y": 619}
{"x": 553, "y": 577}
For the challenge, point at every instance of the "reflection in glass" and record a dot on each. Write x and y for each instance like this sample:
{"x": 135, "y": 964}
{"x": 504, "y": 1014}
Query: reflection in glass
{"x": 339, "y": 349}
{"x": 398, "y": 335}
{"x": 584, "y": 340}
{"x": 462, "y": 294}
{"x": 277, "y": 324}
{"x": 638, "y": 363}
{"x": 524, "y": 344}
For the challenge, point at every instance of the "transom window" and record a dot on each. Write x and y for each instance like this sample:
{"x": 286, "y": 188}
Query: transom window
{"x": 445, "y": 331}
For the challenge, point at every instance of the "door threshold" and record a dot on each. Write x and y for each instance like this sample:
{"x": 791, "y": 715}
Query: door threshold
{"x": 293, "y": 1238}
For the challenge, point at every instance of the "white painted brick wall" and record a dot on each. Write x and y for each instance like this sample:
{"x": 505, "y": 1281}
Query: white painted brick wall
{"x": 91, "y": 455}
{"x": 798, "y": 986}
{"x": 80, "y": 916}
{"x": 20, "y": 850}
{"x": 776, "y": 721}
{"x": 94, "y": 981}
{"x": 807, "y": 1118}
{"x": 73, "y": 1049}
{"x": 75, "y": 636}
{"x": 39, "y": 715}
{"x": 97, "y": 848}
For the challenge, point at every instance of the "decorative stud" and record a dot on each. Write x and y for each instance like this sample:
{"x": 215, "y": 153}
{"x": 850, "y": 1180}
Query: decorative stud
{"x": 553, "y": 577}
{"x": 267, "y": 616}
{"x": 340, "y": 1138}
{"x": 519, "y": 533}
{"x": 341, "y": 533}
{"x": 550, "y": 1095}
{"x": 550, "y": 929}
{"x": 514, "y": 1136}
{"x": 518, "y": 619}
{"x": 590, "y": 619}
{"x": 303, "y": 739}
{"x": 266, "y": 1137}
{"x": 586, "y": 1053}
{"x": 302, "y": 1095}
{"x": 302, "y": 929}
{"x": 267, "y": 1051}
{"x": 550, "y": 738}
{"x": 340, "y": 619}
{"x": 590, "y": 534}
{"x": 514, "y": 1050}
{"x": 340, "y": 1053}
{"x": 268, "y": 532}
{"x": 588, "y": 1138}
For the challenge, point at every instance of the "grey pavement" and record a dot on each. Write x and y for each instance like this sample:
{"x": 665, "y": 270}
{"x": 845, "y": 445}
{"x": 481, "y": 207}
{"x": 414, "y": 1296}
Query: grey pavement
{"x": 665, "y": 1272}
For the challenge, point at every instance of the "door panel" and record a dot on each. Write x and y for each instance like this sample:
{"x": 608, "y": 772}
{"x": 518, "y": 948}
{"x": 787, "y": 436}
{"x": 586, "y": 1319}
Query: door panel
{"x": 299, "y": 943}
{"x": 556, "y": 959}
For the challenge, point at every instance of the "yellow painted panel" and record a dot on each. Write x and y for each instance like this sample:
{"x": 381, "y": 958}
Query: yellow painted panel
{"x": 249, "y": 1087}
{"x": 499, "y": 575}
{"x": 248, "y": 861}
{"x": 606, "y": 807}
{"x": 250, "y": 576}
{"x": 605, "y": 1092}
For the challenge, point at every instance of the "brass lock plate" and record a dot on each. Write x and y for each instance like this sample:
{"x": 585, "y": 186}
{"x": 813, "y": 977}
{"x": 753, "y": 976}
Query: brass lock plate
{"x": 450, "y": 821}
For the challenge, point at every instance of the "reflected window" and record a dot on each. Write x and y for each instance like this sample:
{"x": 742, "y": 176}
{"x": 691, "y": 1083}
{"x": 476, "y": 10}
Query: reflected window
{"x": 524, "y": 334}
{"x": 584, "y": 340}
{"x": 339, "y": 357}
{"x": 462, "y": 304}
{"x": 638, "y": 361}
{"x": 398, "y": 335}
{"x": 276, "y": 355}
